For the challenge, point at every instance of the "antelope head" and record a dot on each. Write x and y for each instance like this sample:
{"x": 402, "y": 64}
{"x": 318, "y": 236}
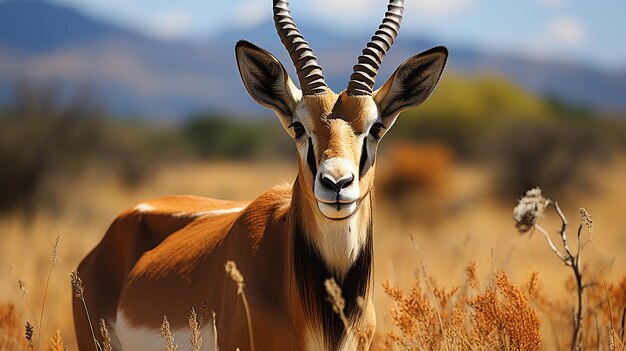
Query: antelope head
{"x": 337, "y": 135}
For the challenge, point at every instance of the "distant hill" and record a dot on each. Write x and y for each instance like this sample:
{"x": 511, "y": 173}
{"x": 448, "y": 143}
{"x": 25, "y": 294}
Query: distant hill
{"x": 133, "y": 74}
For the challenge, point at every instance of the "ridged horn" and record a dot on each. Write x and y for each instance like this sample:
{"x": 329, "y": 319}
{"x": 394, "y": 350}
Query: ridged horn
{"x": 309, "y": 72}
{"x": 364, "y": 72}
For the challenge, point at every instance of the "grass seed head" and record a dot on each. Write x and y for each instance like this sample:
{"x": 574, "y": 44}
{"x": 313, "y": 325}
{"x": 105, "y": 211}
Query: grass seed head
{"x": 235, "y": 275}
{"x": 334, "y": 295}
{"x": 57, "y": 343}
{"x": 585, "y": 217}
{"x": 77, "y": 284}
{"x": 106, "y": 336}
{"x": 168, "y": 337}
{"x": 28, "y": 333}
{"x": 194, "y": 326}
{"x": 55, "y": 250}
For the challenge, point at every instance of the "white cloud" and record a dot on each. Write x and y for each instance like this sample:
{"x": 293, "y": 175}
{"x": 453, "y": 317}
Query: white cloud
{"x": 567, "y": 31}
{"x": 251, "y": 13}
{"x": 172, "y": 24}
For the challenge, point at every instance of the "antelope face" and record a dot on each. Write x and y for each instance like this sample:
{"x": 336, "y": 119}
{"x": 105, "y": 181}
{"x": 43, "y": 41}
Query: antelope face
{"x": 337, "y": 135}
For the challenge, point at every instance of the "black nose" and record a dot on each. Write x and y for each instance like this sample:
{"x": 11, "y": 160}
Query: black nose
{"x": 338, "y": 185}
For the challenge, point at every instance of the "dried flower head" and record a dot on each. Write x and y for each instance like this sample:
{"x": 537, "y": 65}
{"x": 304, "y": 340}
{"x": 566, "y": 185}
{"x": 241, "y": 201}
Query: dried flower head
{"x": 55, "y": 250}
{"x": 471, "y": 277}
{"x": 336, "y": 299}
{"x": 528, "y": 209}
{"x": 194, "y": 326}
{"x": 29, "y": 334}
{"x": 231, "y": 269}
{"x": 77, "y": 284}
{"x": 585, "y": 217}
{"x": 106, "y": 336}
{"x": 57, "y": 343}
{"x": 168, "y": 337}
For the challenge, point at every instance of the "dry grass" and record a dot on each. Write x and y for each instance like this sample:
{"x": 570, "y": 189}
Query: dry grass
{"x": 496, "y": 318}
{"x": 479, "y": 231}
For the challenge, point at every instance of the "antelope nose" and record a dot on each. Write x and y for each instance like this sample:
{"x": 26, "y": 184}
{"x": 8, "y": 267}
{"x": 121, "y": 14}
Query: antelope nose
{"x": 336, "y": 185}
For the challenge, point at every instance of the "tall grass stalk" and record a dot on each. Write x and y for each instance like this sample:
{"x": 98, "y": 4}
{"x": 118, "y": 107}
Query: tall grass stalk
{"x": 585, "y": 217}
{"x": 237, "y": 277}
{"x": 432, "y": 291}
{"x": 55, "y": 258}
{"x": 79, "y": 292}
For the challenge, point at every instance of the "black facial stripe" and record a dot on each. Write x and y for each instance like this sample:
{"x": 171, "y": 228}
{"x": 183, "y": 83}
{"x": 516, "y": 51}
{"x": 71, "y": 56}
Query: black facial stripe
{"x": 363, "y": 158}
{"x": 310, "y": 158}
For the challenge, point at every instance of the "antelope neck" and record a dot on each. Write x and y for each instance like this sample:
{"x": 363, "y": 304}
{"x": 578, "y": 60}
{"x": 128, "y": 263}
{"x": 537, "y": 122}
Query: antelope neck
{"x": 321, "y": 249}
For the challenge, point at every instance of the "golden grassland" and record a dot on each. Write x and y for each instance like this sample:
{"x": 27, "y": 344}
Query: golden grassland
{"x": 458, "y": 228}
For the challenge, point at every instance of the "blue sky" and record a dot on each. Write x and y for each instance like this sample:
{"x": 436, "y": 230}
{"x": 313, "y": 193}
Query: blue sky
{"x": 571, "y": 30}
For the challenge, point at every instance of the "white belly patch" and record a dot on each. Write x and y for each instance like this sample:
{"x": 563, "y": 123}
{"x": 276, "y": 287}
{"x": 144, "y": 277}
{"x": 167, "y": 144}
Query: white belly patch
{"x": 133, "y": 338}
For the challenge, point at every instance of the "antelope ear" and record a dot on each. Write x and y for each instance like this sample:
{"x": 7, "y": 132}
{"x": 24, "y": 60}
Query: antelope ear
{"x": 266, "y": 80}
{"x": 412, "y": 83}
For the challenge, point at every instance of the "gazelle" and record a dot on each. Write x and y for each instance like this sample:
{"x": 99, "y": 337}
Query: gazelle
{"x": 165, "y": 256}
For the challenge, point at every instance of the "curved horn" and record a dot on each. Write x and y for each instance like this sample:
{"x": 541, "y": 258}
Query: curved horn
{"x": 309, "y": 72}
{"x": 365, "y": 71}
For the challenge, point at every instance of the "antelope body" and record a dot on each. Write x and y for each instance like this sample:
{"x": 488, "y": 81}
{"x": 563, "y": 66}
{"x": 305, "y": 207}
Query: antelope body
{"x": 166, "y": 256}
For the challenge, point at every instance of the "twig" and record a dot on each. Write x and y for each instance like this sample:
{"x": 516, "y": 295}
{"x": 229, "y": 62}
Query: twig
{"x": 552, "y": 246}
{"x": 564, "y": 223}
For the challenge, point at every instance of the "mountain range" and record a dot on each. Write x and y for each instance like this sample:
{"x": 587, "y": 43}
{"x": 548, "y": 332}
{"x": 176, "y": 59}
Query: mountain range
{"x": 132, "y": 74}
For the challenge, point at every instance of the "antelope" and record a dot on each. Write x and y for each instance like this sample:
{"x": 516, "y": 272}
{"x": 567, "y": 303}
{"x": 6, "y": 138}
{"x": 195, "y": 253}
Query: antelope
{"x": 166, "y": 256}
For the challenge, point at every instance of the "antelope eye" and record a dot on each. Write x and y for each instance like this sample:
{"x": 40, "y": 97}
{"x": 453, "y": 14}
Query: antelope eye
{"x": 298, "y": 129}
{"x": 375, "y": 129}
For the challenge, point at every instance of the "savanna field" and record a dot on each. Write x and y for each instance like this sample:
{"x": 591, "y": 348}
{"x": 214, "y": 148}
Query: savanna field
{"x": 452, "y": 270}
{"x": 451, "y": 233}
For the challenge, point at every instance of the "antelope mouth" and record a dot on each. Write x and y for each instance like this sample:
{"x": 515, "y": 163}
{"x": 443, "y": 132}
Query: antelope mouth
{"x": 337, "y": 209}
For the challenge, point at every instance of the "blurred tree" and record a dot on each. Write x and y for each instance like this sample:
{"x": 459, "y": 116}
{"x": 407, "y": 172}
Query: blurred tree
{"x": 212, "y": 135}
{"x": 39, "y": 135}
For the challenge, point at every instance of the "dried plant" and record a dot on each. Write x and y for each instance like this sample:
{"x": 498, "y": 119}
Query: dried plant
{"x": 11, "y": 329}
{"x": 168, "y": 337}
{"x": 237, "y": 277}
{"x": 529, "y": 208}
{"x": 336, "y": 300}
{"x": 106, "y": 336}
{"x": 79, "y": 292}
{"x": 55, "y": 259}
{"x": 28, "y": 333}
{"x": 26, "y": 294}
{"x": 194, "y": 326}
{"x": 56, "y": 342}
{"x": 591, "y": 319}
{"x": 497, "y": 318}
{"x": 431, "y": 289}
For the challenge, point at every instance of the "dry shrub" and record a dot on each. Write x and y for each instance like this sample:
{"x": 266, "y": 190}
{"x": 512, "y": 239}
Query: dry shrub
{"x": 11, "y": 329}
{"x": 411, "y": 170}
{"x": 596, "y": 321}
{"x": 415, "y": 167}
{"x": 497, "y": 318}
